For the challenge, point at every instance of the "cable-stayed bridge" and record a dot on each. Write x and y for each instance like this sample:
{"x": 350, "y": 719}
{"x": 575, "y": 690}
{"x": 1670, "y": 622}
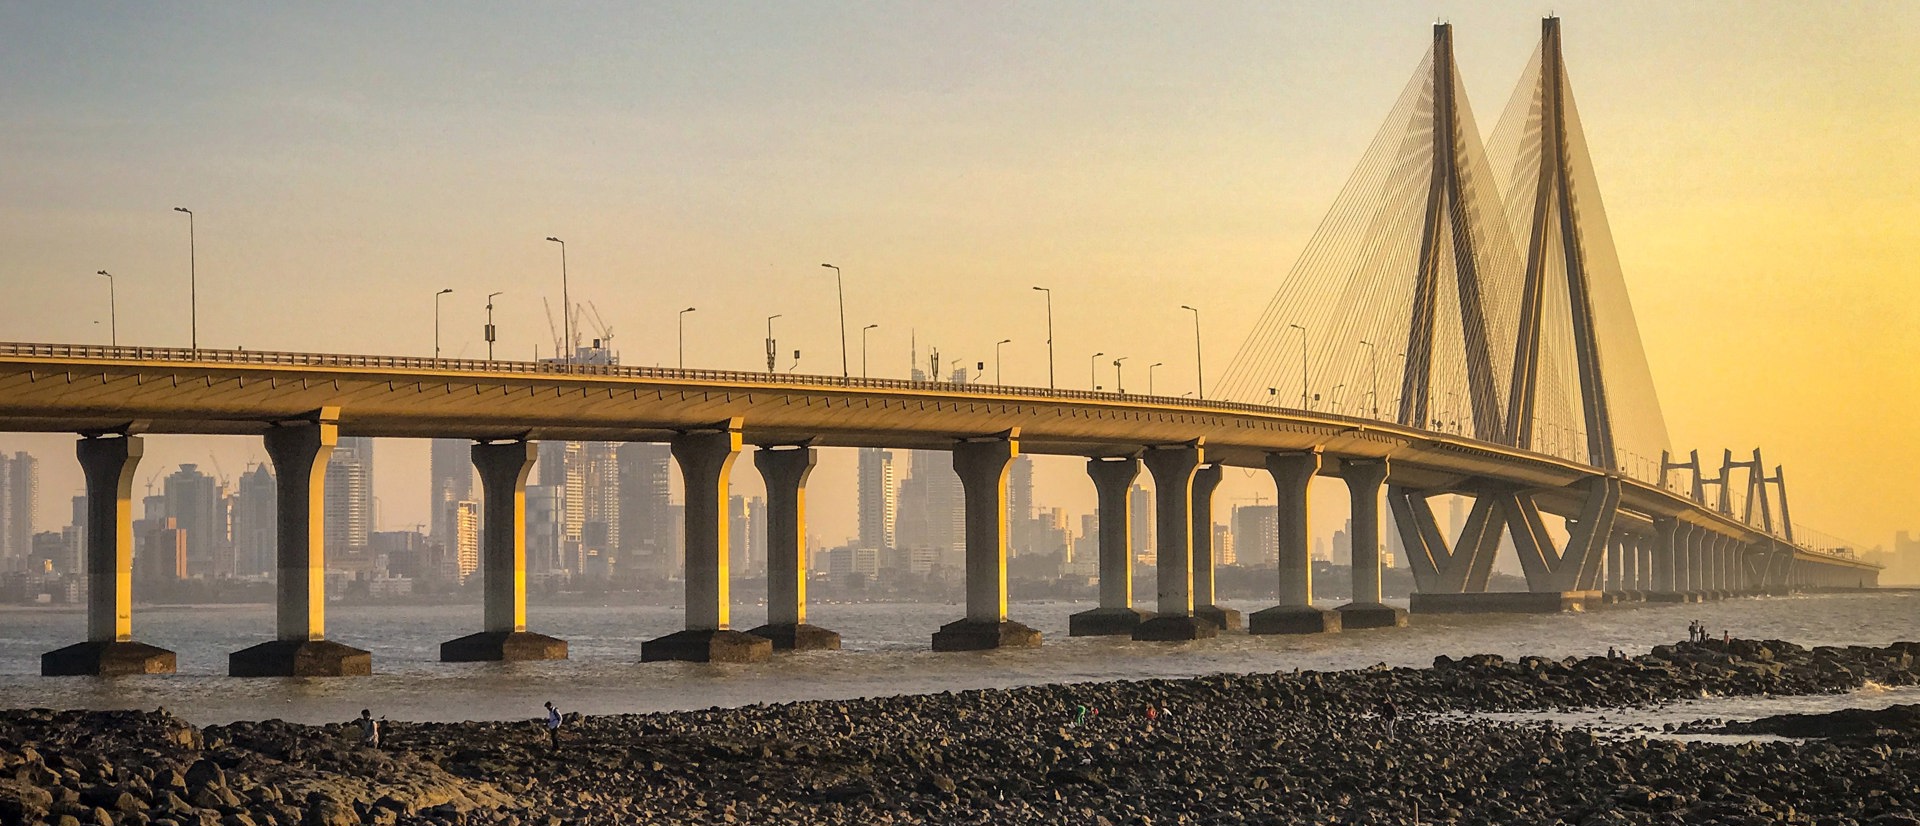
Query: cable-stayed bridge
{"x": 1458, "y": 326}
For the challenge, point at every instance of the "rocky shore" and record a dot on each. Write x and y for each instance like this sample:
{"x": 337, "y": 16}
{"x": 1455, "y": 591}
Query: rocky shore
{"x": 1241, "y": 749}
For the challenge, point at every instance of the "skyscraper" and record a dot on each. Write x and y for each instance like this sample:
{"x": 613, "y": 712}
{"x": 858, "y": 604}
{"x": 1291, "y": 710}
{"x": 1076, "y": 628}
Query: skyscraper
{"x": 932, "y": 512}
{"x": 255, "y": 522}
{"x": 646, "y": 519}
{"x": 1020, "y": 513}
{"x": 463, "y": 535}
{"x": 562, "y": 467}
{"x": 740, "y": 531}
{"x": 349, "y": 499}
{"x": 600, "y": 484}
{"x": 19, "y": 499}
{"x": 1140, "y": 502}
{"x": 1256, "y": 535}
{"x": 450, "y": 479}
{"x": 193, "y": 500}
{"x": 879, "y": 499}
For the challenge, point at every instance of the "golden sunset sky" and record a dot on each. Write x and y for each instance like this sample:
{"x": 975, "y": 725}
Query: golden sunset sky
{"x": 347, "y": 161}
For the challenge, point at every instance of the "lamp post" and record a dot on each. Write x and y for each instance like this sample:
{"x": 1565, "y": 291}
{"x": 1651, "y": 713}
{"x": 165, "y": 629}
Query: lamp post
{"x": 1150, "y": 375}
{"x": 193, "y": 283}
{"x": 436, "y": 322}
{"x": 1199, "y": 374}
{"x": 1093, "y": 364}
{"x": 863, "y": 348}
{"x": 840, "y": 286}
{"x": 683, "y": 336}
{"x": 566, "y": 308}
{"x": 1373, "y": 367}
{"x": 1049, "y": 293}
{"x": 1303, "y": 365}
{"x": 1333, "y": 396}
{"x": 490, "y": 331}
{"x": 996, "y": 359}
{"x": 1119, "y": 385}
{"x": 772, "y": 349}
{"x": 113, "y": 311}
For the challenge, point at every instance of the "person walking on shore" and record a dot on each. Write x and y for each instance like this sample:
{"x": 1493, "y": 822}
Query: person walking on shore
{"x": 369, "y": 729}
{"x": 553, "y": 726}
{"x": 1389, "y": 712}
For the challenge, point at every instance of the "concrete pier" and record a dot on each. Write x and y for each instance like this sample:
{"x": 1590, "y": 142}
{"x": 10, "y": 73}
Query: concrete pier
{"x": 784, "y": 470}
{"x": 503, "y": 468}
{"x": 1112, "y": 477}
{"x": 1173, "y": 469}
{"x": 1295, "y": 613}
{"x": 1205, "y": 481}
{"x": 706, "y": 459}
{"x": 982, "y": 466}
{"x": 1363, "y": 480}
{"x": 299, "y": 454}
{"x": 109, "y": 650}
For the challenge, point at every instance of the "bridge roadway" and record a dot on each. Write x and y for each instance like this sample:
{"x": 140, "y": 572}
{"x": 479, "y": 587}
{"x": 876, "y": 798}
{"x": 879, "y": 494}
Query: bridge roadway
{"x": 1628, "y": 536}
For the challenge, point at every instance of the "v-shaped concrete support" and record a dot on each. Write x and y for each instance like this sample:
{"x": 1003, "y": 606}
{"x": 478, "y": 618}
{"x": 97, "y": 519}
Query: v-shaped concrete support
{"x": 1437, "y": 567}
{"x": 1577, "y": 566}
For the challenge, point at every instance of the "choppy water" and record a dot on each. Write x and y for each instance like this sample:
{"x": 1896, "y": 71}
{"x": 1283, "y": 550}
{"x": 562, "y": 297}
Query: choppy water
{"x": 886, "y": 653}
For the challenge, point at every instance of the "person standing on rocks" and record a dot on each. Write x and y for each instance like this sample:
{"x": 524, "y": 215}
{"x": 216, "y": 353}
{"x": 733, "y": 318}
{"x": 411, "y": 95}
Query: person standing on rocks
{"x": 369, "y": 729}
{"x": 553, "y": 725}
{"x": 1389, "y": 713}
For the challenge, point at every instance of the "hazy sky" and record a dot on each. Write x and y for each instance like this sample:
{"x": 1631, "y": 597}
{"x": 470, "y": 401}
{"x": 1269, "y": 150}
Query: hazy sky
{"x": 347, "y": 161}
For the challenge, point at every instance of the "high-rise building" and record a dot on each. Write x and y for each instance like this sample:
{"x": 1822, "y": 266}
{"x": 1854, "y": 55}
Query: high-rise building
{"x": 1140, "y": 503}
{"x": 600, "y": 484}
{"x": 879, "y": 499}
{"x": 450, "y": 479}
{"x": 349, "y": 499}
{"x": 932, "y": 507}
{"x": 546, "y": 517}
{"x": 193, "y": 501}
{"x": 1224, "y": 551}
{"x": 562, "y": 466}
{"x": 256, "y": 526}
{"x": 162, "y": 555}
{"x": 757, "y": 540}
{"x": 76, "y": 550}
{"x": 19, "y": 499}
{"x": 1256, "y": 535}
{"x": 646, "y": 520}
{"x": 463, "y": 537}
{"x": 739, "y": 529}
{"x": 1020, "y": 513}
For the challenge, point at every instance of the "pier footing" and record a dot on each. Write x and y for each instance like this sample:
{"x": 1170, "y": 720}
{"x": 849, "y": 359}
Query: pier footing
{"x": 1106, "y": 622}
{"x": 503, "y": 646}
{"x": 1175, "y": 629}
{"x": 799, "y": 637}
{"x": 707, "y": 646}
{"x": 1371, "y": 615}
{"x": 1293, "y": 619}
{"x": 1225, "y": 619}
{"x": 106, "y": 659}
{"x": 1501, "y": 602}
{"x": 974, "y": 635}
{"x": 300, "y": 658}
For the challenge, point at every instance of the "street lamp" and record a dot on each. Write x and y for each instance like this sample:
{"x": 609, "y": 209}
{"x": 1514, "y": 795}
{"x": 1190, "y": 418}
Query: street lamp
{"x": 840, "y": 286}
{"x": 996, "y": 359}
{"x": 1303, "y": 365}
{"x": 193, "y": 282}
{"x": 1199, "y": 376}
{"x": 490, "y": 331}
{"x": 1373, "y": 366}
{"x": 683, "y": 336}
{"x": 566, "y": 308}
{"x": 1093, "y": 364}
{"x": 1049, "y": 293}
{"x": 1119, "y": 386}
{"x": 772, "y": 350}
{"x": 436, "y": 322}
{"x": 113, "y": 311}
{"x": 1150, "y": 375}
{"x": 1333, "y": 396}
{"x": 863, "y": 348}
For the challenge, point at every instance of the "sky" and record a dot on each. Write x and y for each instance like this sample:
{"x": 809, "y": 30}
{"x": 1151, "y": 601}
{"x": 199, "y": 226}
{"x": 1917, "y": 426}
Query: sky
{"x": 346, "y": 161}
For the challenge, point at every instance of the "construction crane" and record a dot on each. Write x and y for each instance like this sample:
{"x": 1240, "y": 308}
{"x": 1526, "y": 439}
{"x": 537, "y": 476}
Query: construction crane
{"x": 560, "y": 351}
{"x": 600, "y": 326}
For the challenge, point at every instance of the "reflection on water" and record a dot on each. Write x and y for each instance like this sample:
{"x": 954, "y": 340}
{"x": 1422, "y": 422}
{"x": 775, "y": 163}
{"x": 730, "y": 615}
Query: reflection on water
{"x": 886, "y": 653}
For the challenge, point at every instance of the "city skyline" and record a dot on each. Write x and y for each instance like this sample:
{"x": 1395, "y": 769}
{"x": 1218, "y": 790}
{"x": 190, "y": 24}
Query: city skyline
{"x": 1137, "y": 225}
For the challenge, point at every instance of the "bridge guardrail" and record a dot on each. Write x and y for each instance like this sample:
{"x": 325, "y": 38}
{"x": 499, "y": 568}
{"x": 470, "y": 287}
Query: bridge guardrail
{"x": 1637, "y": 468}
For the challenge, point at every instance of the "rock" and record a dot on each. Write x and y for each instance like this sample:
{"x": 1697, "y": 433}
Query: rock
{"x": 22, "y": 802}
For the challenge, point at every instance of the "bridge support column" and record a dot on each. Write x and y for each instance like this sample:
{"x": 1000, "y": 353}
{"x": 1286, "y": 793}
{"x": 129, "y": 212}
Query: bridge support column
{"x": 109, "y": 651}
{"x": 1173, "y": 470}
{"x": 785, "y": 472}
{"x": 1205, "y": 481}
{"x": 706, "y": 462}
{"x": 1644, "y": 551}
{"x": 1364, "y": 479}
{"x": 1295, "y": 614}
{"x": 1661, "y": 582}
{"x": 1116, "y": 614}
{"x": 1629, "y": 584}
{"x": 503, "y": 469}
{"x": 301, "y": 649}
{"x": 982, "y": 466}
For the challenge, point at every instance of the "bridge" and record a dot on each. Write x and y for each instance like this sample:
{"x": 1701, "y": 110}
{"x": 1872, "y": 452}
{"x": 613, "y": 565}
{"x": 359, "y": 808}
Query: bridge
{"x": 1508, "y": 303}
